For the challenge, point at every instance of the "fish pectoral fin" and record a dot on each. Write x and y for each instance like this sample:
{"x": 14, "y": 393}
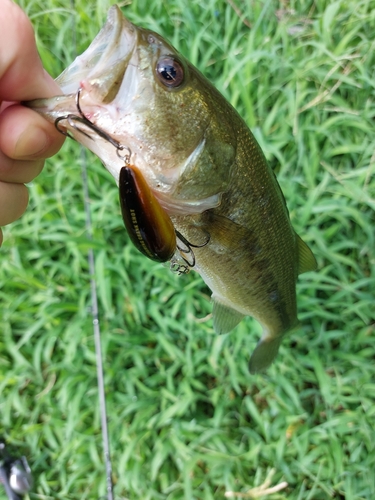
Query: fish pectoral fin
{"x": 264, "y": 353}
{"x": 306, "y": 259}
{"x": 224, "y": 317}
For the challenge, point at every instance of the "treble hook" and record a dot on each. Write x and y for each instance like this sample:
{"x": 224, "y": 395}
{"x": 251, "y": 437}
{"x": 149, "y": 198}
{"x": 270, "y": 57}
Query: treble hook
{"x": 184, "y": 252}
{"x": 74, "y": 122}
{"x": 78, "y": 122}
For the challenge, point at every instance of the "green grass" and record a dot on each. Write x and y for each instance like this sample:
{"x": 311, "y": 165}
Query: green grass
{"x": 186, "y": 419}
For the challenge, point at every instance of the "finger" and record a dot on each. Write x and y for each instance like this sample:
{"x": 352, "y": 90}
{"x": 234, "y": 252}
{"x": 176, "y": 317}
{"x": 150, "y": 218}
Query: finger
{"x": 19, "y": 171}
{"x": 13, "y": 202}
{"x": 25, "y": 135}
{"x": 22, "y": 76}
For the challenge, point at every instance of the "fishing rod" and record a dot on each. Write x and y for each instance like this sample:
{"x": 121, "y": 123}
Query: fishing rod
{"x": 15, "y": 473}
{"x": 94, "y": 305}
{"x": 97, "y": 332}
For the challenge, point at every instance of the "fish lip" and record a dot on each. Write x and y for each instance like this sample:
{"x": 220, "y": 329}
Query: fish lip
{"x": 99, "y": 69}
{"x": 108, "y": 54}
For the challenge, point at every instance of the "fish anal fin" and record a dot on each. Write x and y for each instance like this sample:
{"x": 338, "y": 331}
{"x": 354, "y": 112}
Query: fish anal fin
{"x": 306, "y": 259}
{"x": 224, "y": 317}
{"x": 264, "y": 353}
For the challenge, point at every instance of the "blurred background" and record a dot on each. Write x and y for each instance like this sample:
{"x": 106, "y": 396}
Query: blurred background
{"x": 186, "y": 419}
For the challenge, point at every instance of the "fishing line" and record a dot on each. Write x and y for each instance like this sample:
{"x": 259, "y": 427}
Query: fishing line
{"x": 94, "y": 305}
{"x": 96, "y": 328}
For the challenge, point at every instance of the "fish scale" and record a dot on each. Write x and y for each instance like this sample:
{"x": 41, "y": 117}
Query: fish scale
{"x": 202, "y": 168}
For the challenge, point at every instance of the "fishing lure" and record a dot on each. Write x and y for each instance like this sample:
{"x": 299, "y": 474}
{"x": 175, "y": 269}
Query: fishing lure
{"x": 148, "y": 224}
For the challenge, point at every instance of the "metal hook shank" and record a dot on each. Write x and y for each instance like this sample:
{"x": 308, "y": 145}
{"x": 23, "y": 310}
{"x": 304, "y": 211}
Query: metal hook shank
{"x": 76, "y": 120}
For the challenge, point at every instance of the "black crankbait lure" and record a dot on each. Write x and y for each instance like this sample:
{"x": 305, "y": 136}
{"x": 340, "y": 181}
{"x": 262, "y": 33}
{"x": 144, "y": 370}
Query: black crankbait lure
{"x": 148, "y": 224}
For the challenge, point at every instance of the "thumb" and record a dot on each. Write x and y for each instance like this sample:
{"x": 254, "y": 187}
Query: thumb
{"x": 22, "y": 76}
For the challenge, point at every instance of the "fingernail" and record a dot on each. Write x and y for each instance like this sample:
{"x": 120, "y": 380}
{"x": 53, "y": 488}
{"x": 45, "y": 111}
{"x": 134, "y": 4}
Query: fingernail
{"x": 32, "y": 142}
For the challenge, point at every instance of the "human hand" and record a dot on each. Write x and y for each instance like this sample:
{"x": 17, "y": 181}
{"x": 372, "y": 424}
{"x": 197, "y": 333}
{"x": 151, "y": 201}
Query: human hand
{"x": 26, "y": 139}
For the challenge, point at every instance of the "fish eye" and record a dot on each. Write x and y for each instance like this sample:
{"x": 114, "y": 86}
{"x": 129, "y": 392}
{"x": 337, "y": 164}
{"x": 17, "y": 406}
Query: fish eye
{"x": 170, "y": 71}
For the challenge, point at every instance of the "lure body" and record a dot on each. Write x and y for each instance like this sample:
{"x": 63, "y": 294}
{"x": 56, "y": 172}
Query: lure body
{"x": 148, "y": 224}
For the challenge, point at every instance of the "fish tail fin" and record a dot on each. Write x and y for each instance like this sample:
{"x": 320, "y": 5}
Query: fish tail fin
{"x": 264, "y": 353}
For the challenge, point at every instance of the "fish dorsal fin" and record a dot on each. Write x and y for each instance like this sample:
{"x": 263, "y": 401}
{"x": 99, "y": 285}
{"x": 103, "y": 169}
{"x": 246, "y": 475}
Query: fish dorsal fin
{"x": 306, "y": 259}
{"x": 225, "y": 318}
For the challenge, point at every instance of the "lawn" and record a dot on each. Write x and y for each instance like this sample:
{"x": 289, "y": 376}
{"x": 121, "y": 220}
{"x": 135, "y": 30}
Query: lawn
{"x": 186, "y": 419}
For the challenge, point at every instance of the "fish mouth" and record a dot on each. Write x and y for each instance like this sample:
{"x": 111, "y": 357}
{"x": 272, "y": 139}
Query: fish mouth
{"x": 99, "y": 70}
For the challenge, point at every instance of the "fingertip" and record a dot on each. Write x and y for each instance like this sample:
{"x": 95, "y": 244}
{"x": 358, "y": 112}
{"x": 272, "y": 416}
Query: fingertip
{"x": 22, "y": 76}
{"x": 14, "y": 199}
{"x": 25, "y": 135}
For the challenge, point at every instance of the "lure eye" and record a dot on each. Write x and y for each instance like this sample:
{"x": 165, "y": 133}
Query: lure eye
{"x": 170, "y": 71}
{"x": 148, "y": 224}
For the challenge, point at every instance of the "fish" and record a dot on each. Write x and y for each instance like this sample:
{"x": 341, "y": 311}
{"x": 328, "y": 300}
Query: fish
{"x": 195, "y": 187}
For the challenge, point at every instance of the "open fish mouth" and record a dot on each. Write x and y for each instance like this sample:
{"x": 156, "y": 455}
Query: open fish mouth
{"x": 99, "y": 80}
{"x": 99, "y": 70}
{"x": 119, "y": 101}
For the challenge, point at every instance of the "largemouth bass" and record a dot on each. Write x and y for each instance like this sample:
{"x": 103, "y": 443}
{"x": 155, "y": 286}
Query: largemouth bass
{"x": 189, "y": 168}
